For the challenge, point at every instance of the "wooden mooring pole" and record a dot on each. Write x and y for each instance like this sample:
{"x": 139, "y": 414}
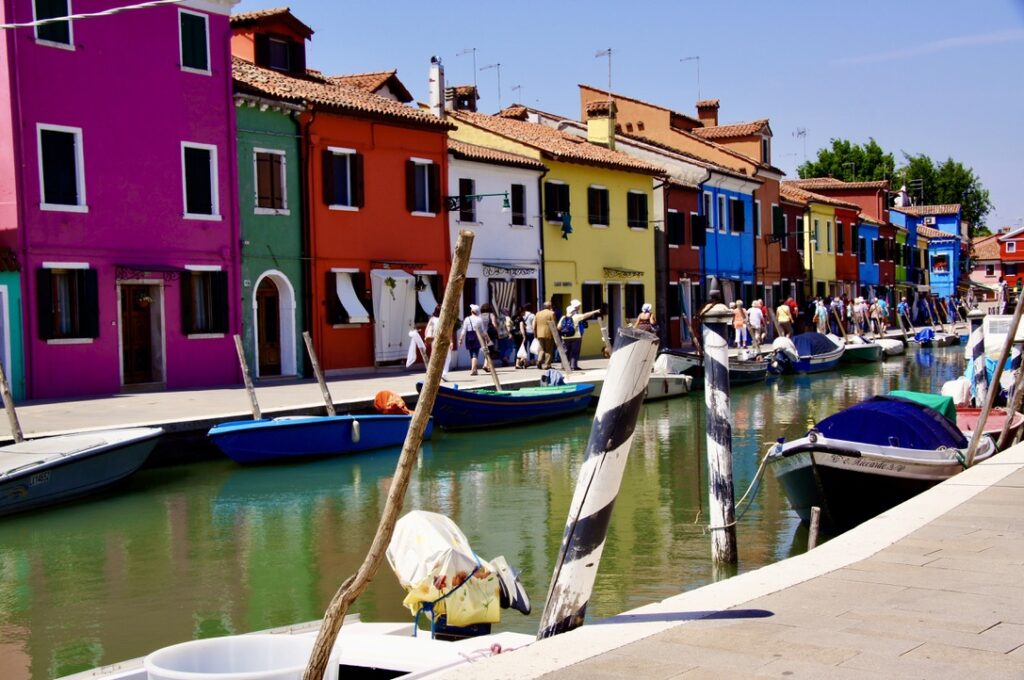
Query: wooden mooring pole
{"x": 721, "y": 494}
{"x": 812, "y": 531}
{"x": 354, "y": 585}
{"x": 976, "y": 350}
{"x": 249, "y": 389}
{"x": 12, "y": 414}
{"x": 562, "y": 356}
{"x": 318, "y": 372}
{"x": 598, "y": 483}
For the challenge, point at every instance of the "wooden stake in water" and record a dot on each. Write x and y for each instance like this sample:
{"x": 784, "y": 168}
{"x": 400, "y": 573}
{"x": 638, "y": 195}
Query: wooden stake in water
{"x": 562, "y": 356}
{"x": 354, "y": 585}
{"x": 976, "y": 350}
{"x": 12, "y": 414}
{"x": 721, "y": 494}
{"x": 812, "y": 532}
{"x": 318, "y": 372}
{"x": 249, "y": 389}
{"x": 598, "y": 483}
{"x": 489, "y": 365}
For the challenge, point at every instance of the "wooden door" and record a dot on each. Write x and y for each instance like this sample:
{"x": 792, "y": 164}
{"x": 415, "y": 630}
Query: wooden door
{"x": 137, "y": 304}
{"x": 268, "y": 325}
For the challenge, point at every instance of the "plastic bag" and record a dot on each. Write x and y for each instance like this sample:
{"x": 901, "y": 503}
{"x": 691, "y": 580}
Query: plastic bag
{"x": 521, "y": 354}
{"x": 535, "y": 347}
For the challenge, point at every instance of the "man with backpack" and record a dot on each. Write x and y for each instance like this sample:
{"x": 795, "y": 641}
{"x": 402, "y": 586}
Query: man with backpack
{"x": 571, "y": 327}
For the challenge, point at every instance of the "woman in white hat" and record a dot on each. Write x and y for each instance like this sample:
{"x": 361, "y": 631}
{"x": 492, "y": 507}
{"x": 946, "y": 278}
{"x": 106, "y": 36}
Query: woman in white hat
{"x": 474, "y": 336}
{"x": 645, "y": 319}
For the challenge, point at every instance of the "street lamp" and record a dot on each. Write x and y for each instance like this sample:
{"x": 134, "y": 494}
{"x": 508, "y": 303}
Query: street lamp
{"x": 453, "y": 203}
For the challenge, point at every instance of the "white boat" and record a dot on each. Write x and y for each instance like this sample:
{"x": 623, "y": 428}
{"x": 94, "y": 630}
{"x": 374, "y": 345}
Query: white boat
{"x": 41, "y": 472}
{"x": 891, "y": 347}
{"x": 666, "y": 386}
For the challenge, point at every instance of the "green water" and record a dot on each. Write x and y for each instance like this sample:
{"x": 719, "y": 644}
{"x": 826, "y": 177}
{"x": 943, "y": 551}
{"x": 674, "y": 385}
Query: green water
{"x": 213, "y": 548}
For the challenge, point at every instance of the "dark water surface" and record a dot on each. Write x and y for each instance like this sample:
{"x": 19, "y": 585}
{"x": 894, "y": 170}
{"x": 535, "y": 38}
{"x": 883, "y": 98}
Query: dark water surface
{"x": 213, "y": 548}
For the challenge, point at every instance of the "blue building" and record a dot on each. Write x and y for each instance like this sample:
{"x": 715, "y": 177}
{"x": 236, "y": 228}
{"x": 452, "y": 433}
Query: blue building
{"x": 727, "y": 201}
{"x": 867, "y": 256}
{"x": 941, "y": 226}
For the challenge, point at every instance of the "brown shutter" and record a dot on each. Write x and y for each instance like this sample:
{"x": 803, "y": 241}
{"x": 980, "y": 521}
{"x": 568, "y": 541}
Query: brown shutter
{"x": 89, "y": 305}
{"x": 335, "y": 313}
{"x": 221, "y": 312}
{"x": 328, "y": 176}
{"x": 356, "y": 172}
{"x": 698, "y": 230}
{"x": 262, "y": 49}
{"x": 410, "y": 186}
{"x": 434, "y": 190}
{"x": 44, "y": 302}
{"x": 550, "y": 201}
{"x": 592, "y": 208}
{"x": 264, "y": 179}
{"x": 297, "y": 56}
{"x": 187, "y": 322}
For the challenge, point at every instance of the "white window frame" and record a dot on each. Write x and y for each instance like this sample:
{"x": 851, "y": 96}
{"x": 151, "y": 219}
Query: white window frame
{"x": 214, "y": 184}
{"x": 287, "y": 44}
{"x": 628, "y": 193}
{"x": 67, "y": 265}
{"x": 692, "y": 247}
{"x": 828, "y": 236}
{"x": 1011, "y": 246}
{"x": 757, "y": 213}
{"x": 608, "y": 195}
{"x": 817, "y": 241}
{"x": 709, "y": 208}
{"x": 671, "y": 245}
{"x": 203, "y": 268}
{"x": 343, "y": 151}
{"x": 82, "y": 206}
{"x": 70, "y": 45}
{"x": 257, "y": 210}
{"x": 785, "y": 225}
{"x": 363, "y": 316}
{"x": 801, "y": 233}
{"x": 839, "y": 227}
{"x": 181, "y": 52}
{"x": 723, "y": 214}
{"x": 421, "y": 162}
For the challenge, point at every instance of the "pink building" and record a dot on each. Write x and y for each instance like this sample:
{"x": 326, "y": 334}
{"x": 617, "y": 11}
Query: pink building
{"x": 118, "y": 192}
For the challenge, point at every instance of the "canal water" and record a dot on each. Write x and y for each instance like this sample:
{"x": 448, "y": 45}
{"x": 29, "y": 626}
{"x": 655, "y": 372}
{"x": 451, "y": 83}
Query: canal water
{"x": 213, "y": 548}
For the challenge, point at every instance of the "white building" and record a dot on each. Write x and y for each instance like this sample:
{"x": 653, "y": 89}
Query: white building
{"x": 505, "y": 264}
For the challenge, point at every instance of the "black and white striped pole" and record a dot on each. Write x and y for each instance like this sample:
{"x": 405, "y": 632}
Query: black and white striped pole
{"x": 715, "y": 318}
{"x": 598, "y": 483}
{"x": 976, "y": 346}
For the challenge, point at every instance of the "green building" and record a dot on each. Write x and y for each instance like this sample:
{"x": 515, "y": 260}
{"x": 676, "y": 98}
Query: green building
{"x": 270, "y": 209}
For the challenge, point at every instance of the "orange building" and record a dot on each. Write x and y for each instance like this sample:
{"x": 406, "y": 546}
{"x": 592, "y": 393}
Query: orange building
{"x": 375, "y": 172}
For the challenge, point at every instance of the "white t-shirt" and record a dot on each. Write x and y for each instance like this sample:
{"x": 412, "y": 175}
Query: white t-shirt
{"x": 755, "y": 317}
{"x": 431, "y": 328}
{"x": 529, "y": 319}
{"x": 477, "y": 325}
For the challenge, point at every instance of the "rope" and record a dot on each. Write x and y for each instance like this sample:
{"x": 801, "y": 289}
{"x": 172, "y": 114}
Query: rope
{"x": 755, "y": 484}
{"x": 429, "y": 606}
{"x": 89, "y": 15}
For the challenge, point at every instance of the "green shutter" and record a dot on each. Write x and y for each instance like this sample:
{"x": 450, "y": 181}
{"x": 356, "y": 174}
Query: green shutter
{"x": 44, "y": 303}
{"x": 89, "y": 304}
{"x": 194, "y": 42}
{"x": 221, "y": 312}
{"x": 187, "y": 322}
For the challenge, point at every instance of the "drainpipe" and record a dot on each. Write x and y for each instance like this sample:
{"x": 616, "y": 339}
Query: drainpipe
{"x": 28, "y": 329}
{"x": 306, "y": 163}
{"x": 540, "y": 269}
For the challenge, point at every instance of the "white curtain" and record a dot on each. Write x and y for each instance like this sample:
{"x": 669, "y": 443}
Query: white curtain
{"x": 502, "y": 293}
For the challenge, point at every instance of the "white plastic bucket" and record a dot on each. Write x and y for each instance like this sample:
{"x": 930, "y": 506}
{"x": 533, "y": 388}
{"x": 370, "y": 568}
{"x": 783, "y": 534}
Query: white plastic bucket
{"x": 236, "y": 657}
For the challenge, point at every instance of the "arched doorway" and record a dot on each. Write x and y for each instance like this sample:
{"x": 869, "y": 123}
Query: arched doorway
{"x": 274, "y": 321}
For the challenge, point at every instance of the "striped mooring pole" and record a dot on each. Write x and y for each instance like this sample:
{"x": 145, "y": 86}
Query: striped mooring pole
{"x": 599, "y": 480}
{"x": 721, "y": 495}
{"x": 976, "y": 348}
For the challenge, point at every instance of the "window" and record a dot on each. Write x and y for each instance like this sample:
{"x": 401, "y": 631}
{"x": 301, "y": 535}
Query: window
{"x": 634, "y": 299}
{"x": 785, "y": 228}
{"x": 597, "y": 205}
{"x": 800, "y": 235}
{"x": 766, "y": 150}
{"x": 428, "y": 292}
{"x": 862, "y": 250}
{"x": 348, "y": 303}
{"x": 519, "y": 204}
{"x": 343, "y": 178}
{"x": 271, "y": 194}
{"x": 467, "y": 205}
{"x": 940, "y": 263}
{"x": 840, "y": 238}
{"x": 1008, "y": 270}
{"x": 828, "y": 236}
{"x": 676, "y": 229}
{"x": 204, "y": 302}
{"x": 636, "y": 210}
{"x": 279, "y": 53}
{"x": 876, "y": 255}
{"x": 556, "y": 200}
{"x": 708, "y": 217}
{"x": 1011, "y": 246}
{"x": 674, "y": 301}
{"x": 199, "y": 180}
{"x": 57, "y": 33}
{"x": 723, "y": 220}
{"x": 778, "y": 224}
{"x": 738, "y": 215}
{"x": 194, "y": 41}
{"x": 817, "y": 241}
{"x": 468, "y": 296}
{"x": 698, "y": 225}
{"x": 68, "y": 302}
{"x": 757, "y": 219}
{"x": 990, "y": 270}
{"x": 61, "y": 168}
{"x": 422, "y": 187}
{"x": 593, "y": 297}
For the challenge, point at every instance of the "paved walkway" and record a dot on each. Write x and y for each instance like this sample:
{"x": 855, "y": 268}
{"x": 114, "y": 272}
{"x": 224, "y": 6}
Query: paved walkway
{"x": 932, "y": 589}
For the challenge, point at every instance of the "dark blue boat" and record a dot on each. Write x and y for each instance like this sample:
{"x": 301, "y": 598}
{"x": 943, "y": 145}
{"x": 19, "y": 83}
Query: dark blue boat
{"x": 464, "y": 409}
{"x": 260, "y": 441}
{"x": 814, "y": 353}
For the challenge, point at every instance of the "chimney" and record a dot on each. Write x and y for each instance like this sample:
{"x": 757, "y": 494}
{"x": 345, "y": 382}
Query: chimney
{"x": 601, "y": 123}
{"x": 461, "y": 98}
{"x": 436, "y": 87}
{"x": 707, "y": 112}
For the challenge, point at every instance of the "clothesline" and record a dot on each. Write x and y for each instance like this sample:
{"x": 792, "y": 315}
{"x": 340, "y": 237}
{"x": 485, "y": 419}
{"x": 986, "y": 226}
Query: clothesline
{"x": 90, "y": 15}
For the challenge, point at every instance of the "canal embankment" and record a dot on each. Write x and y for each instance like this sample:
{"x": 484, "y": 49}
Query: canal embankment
{"x": 930, "y": 589}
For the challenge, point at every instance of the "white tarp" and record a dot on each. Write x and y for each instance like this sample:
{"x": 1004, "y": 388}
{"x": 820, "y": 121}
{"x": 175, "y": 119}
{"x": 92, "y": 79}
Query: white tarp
{"x": 348, "y": 298}
{"x": 428, "y": 303}
{"x": 394, "y": 307}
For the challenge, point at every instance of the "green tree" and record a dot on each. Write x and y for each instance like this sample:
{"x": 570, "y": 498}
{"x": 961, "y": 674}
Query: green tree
{"x": 950, "y": 182}
{"x": 850, "y": 162}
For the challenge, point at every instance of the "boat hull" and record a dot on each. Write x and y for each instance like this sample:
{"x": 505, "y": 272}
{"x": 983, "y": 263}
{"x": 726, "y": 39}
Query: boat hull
{"x": 74, "y": 475}
{"x": 467, "y": 409}
{"x": 262, "y": 441}
{"x": 862, "y": 354}
{"x": 967, "y": 419}
{"x": 818, "y": 363}
{"x": 687, "y": 363}
{"x": 664, "y": 386}
{"x": 853, "y": 482}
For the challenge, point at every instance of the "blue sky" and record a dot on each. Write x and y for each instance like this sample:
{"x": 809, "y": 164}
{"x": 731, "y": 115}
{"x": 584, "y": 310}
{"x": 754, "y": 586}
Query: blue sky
{"x": 941, "y": 78}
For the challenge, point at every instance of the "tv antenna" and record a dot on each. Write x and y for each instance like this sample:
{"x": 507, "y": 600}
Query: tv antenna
{"x": 517, "y": 94}
{"x": 607, "y": 53}
{"x": 801, "y": 133}
{"x": 470, "y": 50}
{"x": 498, "y": 68}
{"x": 696, "y": 59}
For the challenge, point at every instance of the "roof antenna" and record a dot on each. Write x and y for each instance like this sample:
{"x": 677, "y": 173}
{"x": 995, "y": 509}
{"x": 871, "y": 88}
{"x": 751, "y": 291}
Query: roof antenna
{"x": 607, "y": 53}
{"x": 697, "y": 59}
{"x": 470, "y": 50}
{"x": 498, "y": 67}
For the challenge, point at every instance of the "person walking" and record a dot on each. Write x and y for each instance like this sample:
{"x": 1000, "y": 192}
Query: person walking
{"x": 784, "y": 317}
{"x": 429, "y": 332}
{"x": 474, "y": 336}
{"x": 542, "y": 327}
{"x": 572, "y": 335}
{"x": 821, "y": 317}
{"x": 755, "y": 319}
{"x": 529, "y": 324}
{"x": 739, "y": 323}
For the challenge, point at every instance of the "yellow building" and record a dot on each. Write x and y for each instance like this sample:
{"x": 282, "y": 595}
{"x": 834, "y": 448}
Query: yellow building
{"x": 603, "y": 196}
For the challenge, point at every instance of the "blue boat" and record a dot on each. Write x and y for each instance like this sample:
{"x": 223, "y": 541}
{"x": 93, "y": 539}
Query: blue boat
{"x": 261, "y": 441}
{"x": 806, "y": 353}
{"x": 465, "y": 409}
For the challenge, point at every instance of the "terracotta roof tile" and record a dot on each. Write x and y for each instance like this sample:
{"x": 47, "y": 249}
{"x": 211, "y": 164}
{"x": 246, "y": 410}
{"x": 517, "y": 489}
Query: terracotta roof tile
{"x": 926, "y": 210}
{"x": 515, "y": 111}
{"x": 472, "y": 152}
{"x": 555, "y": 144}
{"x": 707, "y": 103}
{"x": 371, "y": 82}
{"x": 245, "y": 19}
{"x": 819, "y": 183}
{"x": 734, "y": 130}
{"x": 871, "y": 220}
{"x": 599, "y": 108}
{"x": 326, "y": 92}
{"x": 615, "y": 95}
{"x": 986, "y": 248}
{"x": 794, "y": 193}
{"x": 930, "y": 233}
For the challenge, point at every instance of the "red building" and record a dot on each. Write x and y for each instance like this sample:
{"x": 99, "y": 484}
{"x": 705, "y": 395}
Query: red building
{"x": 791, "y": 252}
{"x": 847, "y": 265}
{"x": 376, "y": 247}
{"x": 683, "y": 258}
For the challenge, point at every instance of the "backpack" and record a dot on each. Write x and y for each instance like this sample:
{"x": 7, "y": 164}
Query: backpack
{"x": 566, "y": 327}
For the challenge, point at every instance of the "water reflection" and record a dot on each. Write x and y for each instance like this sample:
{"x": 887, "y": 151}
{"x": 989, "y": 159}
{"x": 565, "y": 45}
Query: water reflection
{"x": 214, "y": 548}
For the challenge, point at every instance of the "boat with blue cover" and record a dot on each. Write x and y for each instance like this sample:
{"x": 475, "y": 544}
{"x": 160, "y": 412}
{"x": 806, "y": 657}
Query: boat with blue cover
{"x": 806, "y": 353}
{"x": 466, "y": 409}
{"x": 872, "y": 456}
{"x": 292, "y": 438}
